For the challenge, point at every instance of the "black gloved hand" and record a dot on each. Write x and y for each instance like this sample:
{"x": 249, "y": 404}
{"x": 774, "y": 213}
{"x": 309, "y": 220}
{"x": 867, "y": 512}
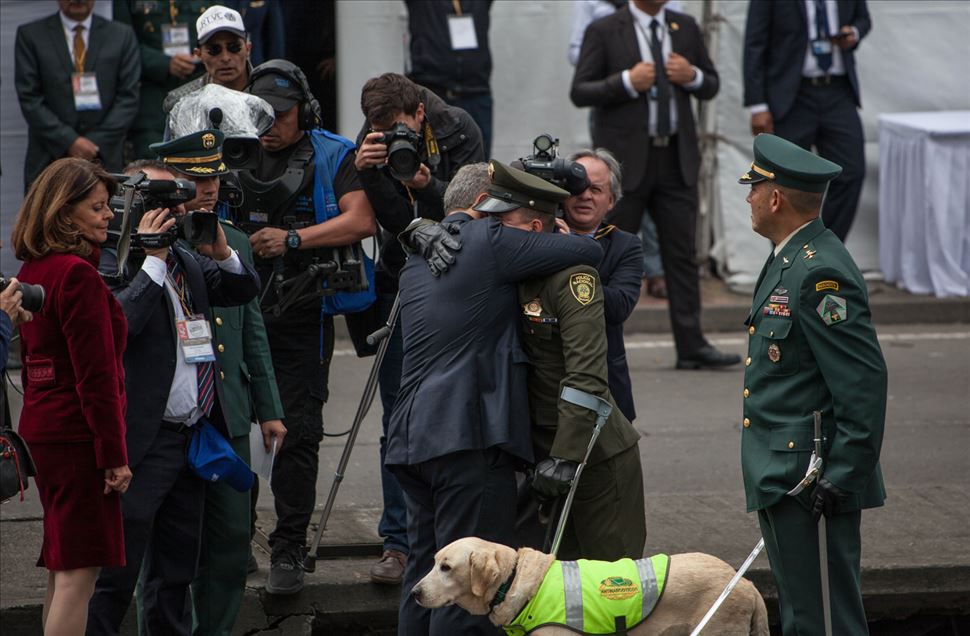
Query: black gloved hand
{"x": 436, "y": 242}
{"x": 827, "y": 499}
{"x": 553, "y": 476}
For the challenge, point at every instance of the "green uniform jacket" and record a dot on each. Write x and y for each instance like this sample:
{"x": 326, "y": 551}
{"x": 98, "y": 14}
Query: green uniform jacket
{"x": 564, "y": 334}
{"x": 812, "y": 346}
{"x": 243, "y": 350}
{"x": 146, "y": 17}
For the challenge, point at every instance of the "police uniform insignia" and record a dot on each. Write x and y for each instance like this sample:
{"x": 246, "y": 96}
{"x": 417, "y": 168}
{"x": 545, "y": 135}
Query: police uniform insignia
{"x": 532, "y": 308}
{"x": 618, "y": 588}
{"x": 208, "y": 141}
{"x": 774, "y": 352}
{"x": 832, "y": 309}
{"x": 826, "y": 285}
{"x": 583, "y": 288}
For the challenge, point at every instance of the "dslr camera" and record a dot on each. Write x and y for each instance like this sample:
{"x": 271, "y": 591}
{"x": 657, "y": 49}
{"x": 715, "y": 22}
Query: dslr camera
{"x": 33, "y": 296}
{"x": 403, "y": 161}
{"x": 545, "y": 163}
{"x": 138, "y": 194}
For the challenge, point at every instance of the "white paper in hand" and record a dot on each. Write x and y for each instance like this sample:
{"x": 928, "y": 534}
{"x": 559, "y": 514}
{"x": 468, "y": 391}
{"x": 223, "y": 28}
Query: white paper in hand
{"x": 261, "y": 461}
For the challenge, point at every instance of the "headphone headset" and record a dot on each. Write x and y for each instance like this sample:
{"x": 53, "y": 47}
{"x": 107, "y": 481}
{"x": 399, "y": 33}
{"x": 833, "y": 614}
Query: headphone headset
{"x": 309, "y": 115}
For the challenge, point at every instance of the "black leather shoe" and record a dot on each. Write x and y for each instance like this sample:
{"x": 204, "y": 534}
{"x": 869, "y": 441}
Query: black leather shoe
{"x": 707, "y": 357}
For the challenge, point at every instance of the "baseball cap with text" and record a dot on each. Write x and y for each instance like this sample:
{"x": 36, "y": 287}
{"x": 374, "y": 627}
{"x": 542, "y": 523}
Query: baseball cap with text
{"x": 219, "y": 18}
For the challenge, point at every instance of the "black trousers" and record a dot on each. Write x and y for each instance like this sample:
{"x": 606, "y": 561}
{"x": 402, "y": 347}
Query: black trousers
{"x": 463, "y": 494}
{"x": 302, "y": 368}
{"x": 673, "y": 206}
{"x": 163, "y": 525}
{"x": 826, "y": 117}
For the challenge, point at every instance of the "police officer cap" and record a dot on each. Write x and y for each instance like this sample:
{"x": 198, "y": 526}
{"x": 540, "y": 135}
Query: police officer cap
{"x": 781, "y": 161}
{"x": 512, "y": 189}
{"x": 197, "y": 155}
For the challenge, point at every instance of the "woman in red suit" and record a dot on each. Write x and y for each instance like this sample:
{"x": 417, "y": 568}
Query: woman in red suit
{"x": 74, "y": 400}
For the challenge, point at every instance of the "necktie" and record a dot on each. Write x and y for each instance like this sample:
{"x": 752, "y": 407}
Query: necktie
{"x": 80, "y": 52}
{"x": 661, "y": 81}
{"x": 824, "y": 60}
{"x": 205, "y": 371}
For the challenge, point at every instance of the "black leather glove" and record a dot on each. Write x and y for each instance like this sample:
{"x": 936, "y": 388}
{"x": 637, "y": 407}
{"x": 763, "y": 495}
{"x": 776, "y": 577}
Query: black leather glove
{"x": 553, "y": 476}
{"x": 436, "y": 242}
{"x": 827, "y": 499}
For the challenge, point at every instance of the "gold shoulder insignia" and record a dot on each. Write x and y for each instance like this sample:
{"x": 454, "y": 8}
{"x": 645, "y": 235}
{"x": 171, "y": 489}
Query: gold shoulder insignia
{"x": 826, "y": 285}
{"x": 583, "y": 287}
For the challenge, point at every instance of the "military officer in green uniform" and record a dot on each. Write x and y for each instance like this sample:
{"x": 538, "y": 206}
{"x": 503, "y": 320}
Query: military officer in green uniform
{"x": 166, "y": 33}
{"x": 564, "y": 335}
{"x": 251, "y": 393}
{"x": 811, "y": 347}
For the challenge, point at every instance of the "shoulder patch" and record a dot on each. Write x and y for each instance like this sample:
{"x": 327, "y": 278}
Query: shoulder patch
{"x": 825, "y": 285}
{"x": 832, "y": 309}
{"x": 583, "y": 287}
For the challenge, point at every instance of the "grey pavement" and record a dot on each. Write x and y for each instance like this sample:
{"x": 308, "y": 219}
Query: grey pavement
{"x": 916, "y": 549}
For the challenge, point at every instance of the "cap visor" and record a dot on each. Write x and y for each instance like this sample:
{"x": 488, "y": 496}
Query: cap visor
{"x": 217, "y": 170}
{"x": 279, "y": 104}
{"x": 491, "y": 205}
{"x": 209, "y": 35}
{"x": 750, "y": 177}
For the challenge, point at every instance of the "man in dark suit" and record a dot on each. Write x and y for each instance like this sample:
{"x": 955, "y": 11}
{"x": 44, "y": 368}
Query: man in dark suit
{"x": 77, "y": 81}
{"x": 460, "y": 423}
{"x": 168, "y": 395}
{"x": 638, "y": 68}
{"x": 620, "y": 270}
{"x": 800, "y": 83}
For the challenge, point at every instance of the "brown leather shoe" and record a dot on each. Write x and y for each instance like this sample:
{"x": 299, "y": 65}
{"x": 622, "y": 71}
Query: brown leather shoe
{"x": 390, "y": 569}
{"x": 657, "y": 287}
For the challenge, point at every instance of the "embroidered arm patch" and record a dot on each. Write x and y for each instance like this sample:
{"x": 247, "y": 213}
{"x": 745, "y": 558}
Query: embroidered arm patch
{"x": 583, "y": 288}
{"x": 832, "y": 309}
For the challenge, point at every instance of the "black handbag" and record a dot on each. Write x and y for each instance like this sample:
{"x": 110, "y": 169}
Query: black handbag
{"x": 16, "y": 464}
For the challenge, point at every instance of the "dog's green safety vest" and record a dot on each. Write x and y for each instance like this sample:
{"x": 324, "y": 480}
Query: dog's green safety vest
{"x": 600, "y": 596}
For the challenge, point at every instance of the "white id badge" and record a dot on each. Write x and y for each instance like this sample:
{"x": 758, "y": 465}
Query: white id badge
{"x": 195, "y": 338}
{"x": 175, "y": 39}
{"x": 461, "y": 28}
{"x": 85, "y": 87}
{"x": 821, "y": 47}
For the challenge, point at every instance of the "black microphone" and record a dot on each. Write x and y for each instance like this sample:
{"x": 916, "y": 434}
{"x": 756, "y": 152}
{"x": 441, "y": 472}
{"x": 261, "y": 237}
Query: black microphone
{"x": 215, "y": 117}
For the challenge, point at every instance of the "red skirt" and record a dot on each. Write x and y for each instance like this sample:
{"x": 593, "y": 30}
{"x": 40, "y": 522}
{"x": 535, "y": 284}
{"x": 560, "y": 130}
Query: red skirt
{"x": 82, "y": 525}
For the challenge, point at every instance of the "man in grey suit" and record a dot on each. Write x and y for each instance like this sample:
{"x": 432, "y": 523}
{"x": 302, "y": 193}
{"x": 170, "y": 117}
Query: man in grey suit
{"x": 77, "y": 81}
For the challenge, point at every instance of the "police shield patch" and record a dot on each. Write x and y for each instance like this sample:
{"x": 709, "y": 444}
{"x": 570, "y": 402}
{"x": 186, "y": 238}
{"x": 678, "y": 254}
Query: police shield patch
{"x": 583, "y": 288}
{"x": 832, "y": 309}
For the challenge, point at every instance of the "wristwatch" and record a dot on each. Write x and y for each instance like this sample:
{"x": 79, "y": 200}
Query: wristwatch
{"x": 293, "y": 240}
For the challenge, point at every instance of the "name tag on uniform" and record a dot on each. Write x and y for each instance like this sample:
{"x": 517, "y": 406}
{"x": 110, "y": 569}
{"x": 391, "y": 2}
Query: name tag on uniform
{"x": 175, "y": 39}
{"x": 461, "y": 28}
{"x": 85, "y": 87}
{"x": 195, "y": 338}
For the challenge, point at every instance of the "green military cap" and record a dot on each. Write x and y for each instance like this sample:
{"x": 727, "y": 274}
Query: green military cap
{"x": 781, "y": 161}
{"x": 512, "y": 189}
{"x": 197, "y": 155}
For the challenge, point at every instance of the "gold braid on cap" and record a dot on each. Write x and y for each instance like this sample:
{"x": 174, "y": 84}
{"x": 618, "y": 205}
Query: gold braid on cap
{"x": 208, "y": 159}
{"x": 763, "y": 172}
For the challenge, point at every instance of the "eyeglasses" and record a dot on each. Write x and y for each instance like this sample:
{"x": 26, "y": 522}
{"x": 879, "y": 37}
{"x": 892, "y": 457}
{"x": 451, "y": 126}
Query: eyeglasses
{"x": 216, "y": 49}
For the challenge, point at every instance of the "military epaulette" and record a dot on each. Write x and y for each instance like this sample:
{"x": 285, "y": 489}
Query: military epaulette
{"x": 603, "y": 231}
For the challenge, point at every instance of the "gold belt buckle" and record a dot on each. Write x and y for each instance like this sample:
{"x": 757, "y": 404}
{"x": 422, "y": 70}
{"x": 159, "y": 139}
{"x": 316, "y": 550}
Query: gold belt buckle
{"x": 660, "y": 142}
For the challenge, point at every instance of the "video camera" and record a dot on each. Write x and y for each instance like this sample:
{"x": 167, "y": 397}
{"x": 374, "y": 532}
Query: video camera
{"x": 196, "y": 227}
{"x": 403, "y": 160}
{"x": 545, "y": 163}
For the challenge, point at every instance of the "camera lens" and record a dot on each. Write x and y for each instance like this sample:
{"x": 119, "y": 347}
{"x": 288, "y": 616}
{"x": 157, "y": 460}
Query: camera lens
{"x": 543, "y": 143}
{"x": 402, "y": 160}
{"x": 33, "y": 295}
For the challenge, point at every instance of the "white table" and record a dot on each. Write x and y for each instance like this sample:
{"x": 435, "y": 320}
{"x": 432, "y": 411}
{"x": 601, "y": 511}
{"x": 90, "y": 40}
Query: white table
{"x": 924, "y": 201}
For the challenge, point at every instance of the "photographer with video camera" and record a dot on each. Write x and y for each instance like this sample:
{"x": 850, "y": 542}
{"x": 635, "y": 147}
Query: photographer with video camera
{"x": 409, "y": 149}
{"x": 306, "y": 213}
{"x": 166, "y": 291}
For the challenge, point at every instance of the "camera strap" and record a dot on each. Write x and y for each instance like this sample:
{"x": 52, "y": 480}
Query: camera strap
{"x": 431, "y": 145}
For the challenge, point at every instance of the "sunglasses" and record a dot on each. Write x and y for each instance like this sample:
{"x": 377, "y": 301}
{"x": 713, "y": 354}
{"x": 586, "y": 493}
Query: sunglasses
{"x": 216, "y": 49}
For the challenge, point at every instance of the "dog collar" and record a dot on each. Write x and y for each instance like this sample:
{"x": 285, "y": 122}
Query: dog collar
{"x": 503, "y": 589}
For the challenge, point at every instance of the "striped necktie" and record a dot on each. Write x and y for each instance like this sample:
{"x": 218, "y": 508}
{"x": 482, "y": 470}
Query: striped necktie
{"x": 80, "y": 52}
{"x": 205, "y": 371}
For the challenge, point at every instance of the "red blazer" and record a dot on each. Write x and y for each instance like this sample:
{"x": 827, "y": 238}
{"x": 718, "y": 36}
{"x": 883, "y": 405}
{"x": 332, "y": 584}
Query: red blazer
{"x": 73, "y": 376}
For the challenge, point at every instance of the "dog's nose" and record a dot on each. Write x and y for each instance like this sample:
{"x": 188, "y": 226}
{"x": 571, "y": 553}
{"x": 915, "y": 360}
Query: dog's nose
{"x": 416, "y": 594}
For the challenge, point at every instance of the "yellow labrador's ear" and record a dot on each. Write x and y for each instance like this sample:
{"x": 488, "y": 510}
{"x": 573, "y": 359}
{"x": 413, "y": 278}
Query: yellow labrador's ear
{"x": 484, "y": 572}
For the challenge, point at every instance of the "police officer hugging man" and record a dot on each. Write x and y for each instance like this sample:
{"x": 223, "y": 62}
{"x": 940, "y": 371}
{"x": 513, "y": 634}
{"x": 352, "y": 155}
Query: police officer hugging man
{"x": 306, "y": 212}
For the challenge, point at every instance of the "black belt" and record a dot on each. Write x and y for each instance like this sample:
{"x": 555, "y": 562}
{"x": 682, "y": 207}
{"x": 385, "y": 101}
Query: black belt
{"x": 663, "y": 142}
{"x": 177, "y": 427}
{"x": 825, "y": 80}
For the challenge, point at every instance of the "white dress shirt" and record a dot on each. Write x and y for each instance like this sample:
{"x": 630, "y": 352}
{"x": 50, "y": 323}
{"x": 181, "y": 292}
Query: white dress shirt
{"x": 784, "y": 241}
{"x": 68, "y": 25}
{"x": 641, "y": 23}
{"x": 183, "y": 396}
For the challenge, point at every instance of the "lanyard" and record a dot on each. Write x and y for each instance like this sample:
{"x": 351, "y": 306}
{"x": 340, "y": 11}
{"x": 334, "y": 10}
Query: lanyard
{"x": 457, "y": 5}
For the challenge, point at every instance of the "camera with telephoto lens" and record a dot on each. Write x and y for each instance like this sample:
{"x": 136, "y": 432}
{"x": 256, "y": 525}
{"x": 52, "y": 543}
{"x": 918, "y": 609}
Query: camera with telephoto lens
{"x": 196, "y": 227}
{"x": 33, "y": 295}
{"x": 545, "y": 163}
{"x": 403, "y": 161}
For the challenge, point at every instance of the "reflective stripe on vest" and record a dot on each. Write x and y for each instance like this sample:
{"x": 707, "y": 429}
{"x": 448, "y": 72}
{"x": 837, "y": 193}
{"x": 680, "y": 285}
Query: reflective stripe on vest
{"x": 589, "y": 596}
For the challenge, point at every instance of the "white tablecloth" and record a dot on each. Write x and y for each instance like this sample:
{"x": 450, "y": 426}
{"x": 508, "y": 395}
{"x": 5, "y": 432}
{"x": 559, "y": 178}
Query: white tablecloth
{"x": 924, "y": 201}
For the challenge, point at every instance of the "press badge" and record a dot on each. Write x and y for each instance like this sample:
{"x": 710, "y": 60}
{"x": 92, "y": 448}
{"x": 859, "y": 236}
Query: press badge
{"x": 195, "y": 338}
{"x": 821, "y": 47}
{"x": 175, "y": 39}
{"x": 461, "y": 28}
{"x": 85, "y": 87}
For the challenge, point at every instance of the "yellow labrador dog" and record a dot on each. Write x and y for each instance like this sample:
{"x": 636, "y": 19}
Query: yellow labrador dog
{"x": 469, "y": 573}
